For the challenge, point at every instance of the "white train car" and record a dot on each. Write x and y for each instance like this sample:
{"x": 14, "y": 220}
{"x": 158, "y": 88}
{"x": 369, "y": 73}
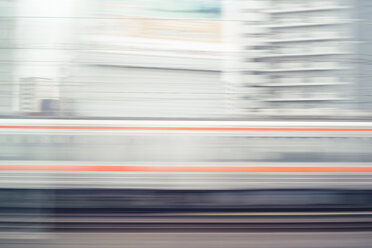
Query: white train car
{"x": 187, "y": 155}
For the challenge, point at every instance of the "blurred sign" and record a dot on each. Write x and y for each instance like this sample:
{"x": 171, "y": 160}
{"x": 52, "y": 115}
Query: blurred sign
{"x": 191, "y": 20}
{"x": 182, "y": 9}
{"x": 178, "y": 30}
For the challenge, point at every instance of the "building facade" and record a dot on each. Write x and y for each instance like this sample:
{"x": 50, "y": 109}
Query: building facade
{"x": 137, "y": 61}
{"x": 7, "y": 42}
{"x": 303, "y": 58}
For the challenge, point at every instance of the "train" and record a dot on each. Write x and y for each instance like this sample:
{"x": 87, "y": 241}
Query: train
{"x": 178, "y": 164}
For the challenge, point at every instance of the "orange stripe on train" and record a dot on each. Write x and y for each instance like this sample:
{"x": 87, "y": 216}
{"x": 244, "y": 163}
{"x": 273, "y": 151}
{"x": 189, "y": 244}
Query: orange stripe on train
{"x": 210, "y": 169}
{"x": 191, "y": 128}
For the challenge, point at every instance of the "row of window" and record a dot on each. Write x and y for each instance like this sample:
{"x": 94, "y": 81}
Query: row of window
{"x": 291, "y": 4}
{"x": 311, "y": 32}
{"x": 303, "y": 92}
{"x": 312, "y": 47}
{"x": 301, "y": 79}
{"x": 191, "y": 148}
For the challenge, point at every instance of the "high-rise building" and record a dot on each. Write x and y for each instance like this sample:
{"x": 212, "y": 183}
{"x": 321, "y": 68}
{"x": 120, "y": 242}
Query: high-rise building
{"x": 305, "y": 58}
{"x": 7, "y": 9}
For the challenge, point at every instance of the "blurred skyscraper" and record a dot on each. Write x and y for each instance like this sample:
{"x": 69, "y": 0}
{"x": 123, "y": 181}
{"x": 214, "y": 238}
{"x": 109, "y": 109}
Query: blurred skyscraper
{"x": 303, "y": 58}
{"x": 7, "y": 26}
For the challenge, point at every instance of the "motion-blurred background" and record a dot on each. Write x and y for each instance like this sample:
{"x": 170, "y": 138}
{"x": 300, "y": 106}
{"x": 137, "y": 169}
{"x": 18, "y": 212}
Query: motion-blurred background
{"x": 185, "y": 123}
{"x": 194, "y": 58}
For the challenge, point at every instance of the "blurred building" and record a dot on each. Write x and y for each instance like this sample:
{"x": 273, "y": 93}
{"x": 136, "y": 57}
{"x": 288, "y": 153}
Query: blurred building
{"x": 195, "y": 58}
{"x": 38, "y": 96}
{"x": 137, "y": 59}
{"x": 7, "y": 25}
{"x": 44, "y": 44}
{"x": 304, "y": 58}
